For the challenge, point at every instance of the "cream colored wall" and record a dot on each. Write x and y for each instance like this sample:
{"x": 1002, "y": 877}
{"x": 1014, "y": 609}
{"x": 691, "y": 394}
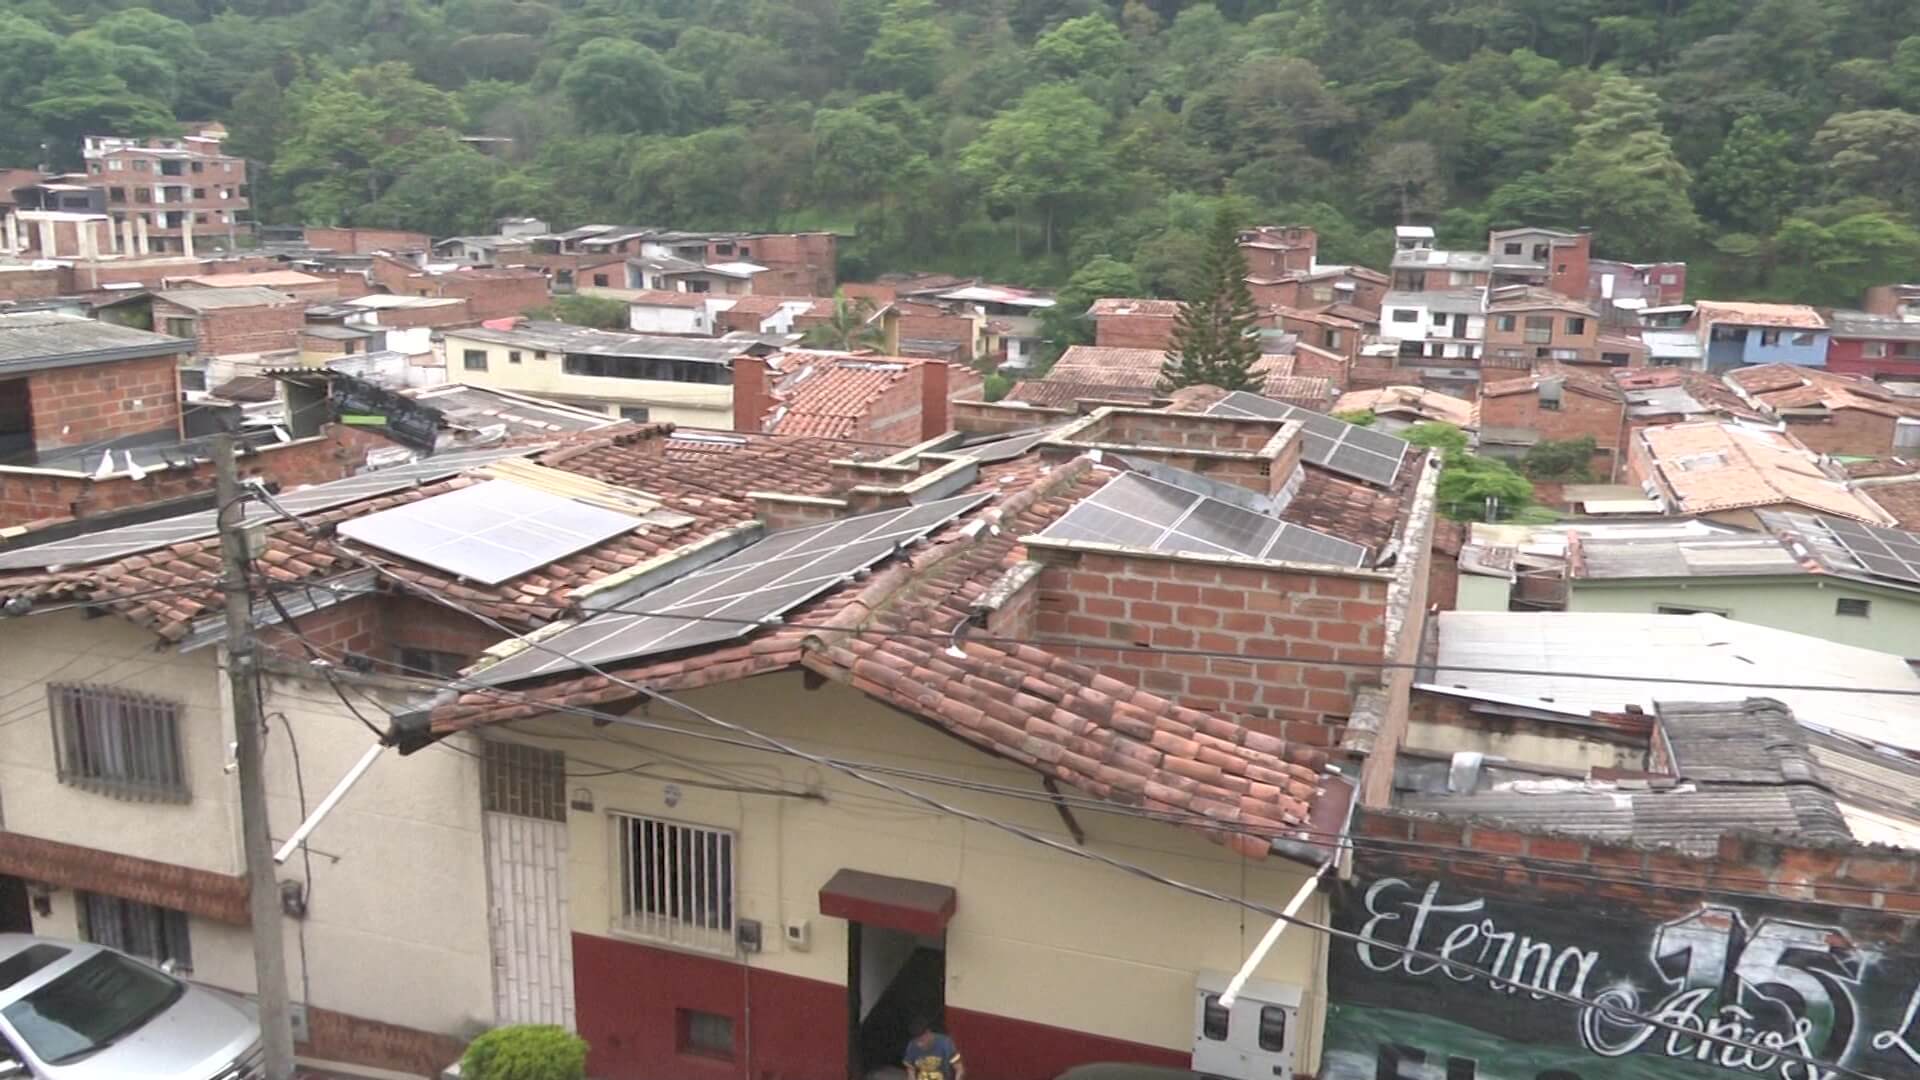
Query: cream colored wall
{"x": 693, "y": 404}
{"x": 1038, "y": 934}
{"x": 396, "y": 928}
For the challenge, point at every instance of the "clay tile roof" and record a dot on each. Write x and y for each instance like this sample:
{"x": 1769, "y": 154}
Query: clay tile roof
{"x": 712, "y": 465}
{"x": 1711, "y": 466}
{"x": 1306, "y": 391}
{"x": 1054, "y": 393}
{"x": 1346, "y": 508}
{"x": 665, "y": 298}
{"x": 1022, "y": 702}
{"x": 1104, "y": 364}
{"x": 1420, "y": 401}
{"x": 764, "y": 306}
{"x": 1798, "y": 316}
{"x": 1899, "y": 498}
{"x": 1124, "y": 306}
{"x": 1785, "y": 386}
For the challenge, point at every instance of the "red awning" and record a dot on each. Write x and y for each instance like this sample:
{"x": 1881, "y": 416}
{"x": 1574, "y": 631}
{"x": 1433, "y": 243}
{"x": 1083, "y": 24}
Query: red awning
{"x": 914, "y": 907}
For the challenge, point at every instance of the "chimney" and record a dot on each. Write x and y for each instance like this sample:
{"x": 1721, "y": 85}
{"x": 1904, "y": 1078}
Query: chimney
{"x": 752, "y": 393}
{"x": 934, "y": 390}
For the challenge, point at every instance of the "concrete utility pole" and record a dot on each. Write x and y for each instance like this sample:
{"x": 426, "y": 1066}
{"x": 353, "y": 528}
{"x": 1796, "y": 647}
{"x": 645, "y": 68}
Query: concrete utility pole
{"x": 263, "y": 891}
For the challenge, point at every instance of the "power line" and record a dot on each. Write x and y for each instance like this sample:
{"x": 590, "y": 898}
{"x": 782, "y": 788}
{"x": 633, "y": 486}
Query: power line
{"x": 1122, "y": 865}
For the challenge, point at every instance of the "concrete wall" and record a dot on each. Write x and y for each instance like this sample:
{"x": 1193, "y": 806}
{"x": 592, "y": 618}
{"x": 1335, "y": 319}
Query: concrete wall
{"x": 692, "y": 404}
{"x": 1039, "y": 939}
{"x": 396, "y": 927}
{"x": 1802, "y": 606}
{"x": 661, "y": 319}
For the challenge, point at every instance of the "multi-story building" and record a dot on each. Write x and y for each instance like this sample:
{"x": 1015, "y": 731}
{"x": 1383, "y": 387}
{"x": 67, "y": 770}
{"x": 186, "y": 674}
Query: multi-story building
{"x": 1552, "y": 258}
{"x": 166, "y": 195}
{"x": 1877, "y": 346}
{"x": 1742, "y": 334}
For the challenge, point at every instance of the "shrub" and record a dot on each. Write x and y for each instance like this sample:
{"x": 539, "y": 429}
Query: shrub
{"x": 526, "y": 1052}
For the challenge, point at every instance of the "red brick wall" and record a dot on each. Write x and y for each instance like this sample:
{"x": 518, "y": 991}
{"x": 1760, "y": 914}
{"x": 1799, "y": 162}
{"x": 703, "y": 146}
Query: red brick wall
{"x": 460, "y": 314}
{"x": 36, "y": 284}
{"x": 45, "y": 497}
{"x": 354, "y": 626}
{"x": 412, "y": 622}
{"x": 922, "y": 327}
{"x": 226, "y": 331}
{"x": 801, "y": 264}
{"x": 1845, "y": 356}
{"x": 1285, "y": 622}
{"x": 222, "y": 897}
{"x": 1578, "y": 415}
{"x": 366, "y": 241}
{"x": 356, "y": 1040}
{"x": 1847, "y": 432}
{"x": 494, "y": 295}
{"x": 995, "y": 418}
{"x": 395, "y": 276}
{"x": 1133, "y": 331}
{"x": 95, "y": 402}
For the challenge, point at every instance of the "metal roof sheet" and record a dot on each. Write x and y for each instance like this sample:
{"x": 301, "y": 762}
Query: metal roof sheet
{"x": 43, "y": 339}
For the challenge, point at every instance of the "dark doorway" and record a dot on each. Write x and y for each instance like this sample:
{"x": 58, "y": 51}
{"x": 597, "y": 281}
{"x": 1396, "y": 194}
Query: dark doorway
{"x": 892, "y": 977}
{"x": 16, "y": 910}
{"x": 16, "y": 420}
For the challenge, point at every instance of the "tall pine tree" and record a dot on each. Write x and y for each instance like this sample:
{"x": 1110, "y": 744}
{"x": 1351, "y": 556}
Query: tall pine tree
{"x": 1215, "y": 342}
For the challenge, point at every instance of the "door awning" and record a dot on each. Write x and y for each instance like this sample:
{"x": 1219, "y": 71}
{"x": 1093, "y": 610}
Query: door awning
{"x": 913, "y": 907}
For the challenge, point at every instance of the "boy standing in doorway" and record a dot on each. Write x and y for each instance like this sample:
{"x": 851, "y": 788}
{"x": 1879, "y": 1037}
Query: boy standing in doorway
{"x": 931, "y": 1055}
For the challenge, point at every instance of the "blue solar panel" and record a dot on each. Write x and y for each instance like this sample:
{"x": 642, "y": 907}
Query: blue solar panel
{"x": 1134, "y": 510}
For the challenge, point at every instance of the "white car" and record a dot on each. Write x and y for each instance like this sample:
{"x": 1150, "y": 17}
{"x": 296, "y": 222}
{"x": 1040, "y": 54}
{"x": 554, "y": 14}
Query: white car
{"x": 73, "y": 1011}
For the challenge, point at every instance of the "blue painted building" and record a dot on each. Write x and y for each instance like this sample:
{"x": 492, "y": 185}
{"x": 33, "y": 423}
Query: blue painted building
{"x": 1739, "y": 334}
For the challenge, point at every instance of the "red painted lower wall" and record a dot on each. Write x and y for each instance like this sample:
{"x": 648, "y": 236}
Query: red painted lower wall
{"x": 628, "y": 997}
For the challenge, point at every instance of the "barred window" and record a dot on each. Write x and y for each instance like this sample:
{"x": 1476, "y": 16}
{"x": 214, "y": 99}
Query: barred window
{"x": 118, "y": 743}
{"x": 524, "y": 780}
{"x": 676, "y": 883}
{"x": 152, "y": 933}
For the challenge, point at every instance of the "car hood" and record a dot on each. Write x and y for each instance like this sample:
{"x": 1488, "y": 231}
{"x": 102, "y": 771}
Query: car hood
{"x": 194, "y": 1039}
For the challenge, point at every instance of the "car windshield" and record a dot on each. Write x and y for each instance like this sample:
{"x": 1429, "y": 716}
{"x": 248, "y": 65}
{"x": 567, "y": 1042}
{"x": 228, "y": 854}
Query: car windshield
{"x": 103, "y": 998}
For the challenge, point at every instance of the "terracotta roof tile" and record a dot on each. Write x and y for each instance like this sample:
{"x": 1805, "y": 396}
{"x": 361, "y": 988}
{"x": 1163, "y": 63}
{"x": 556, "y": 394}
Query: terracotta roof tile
{"x": 1786, "y": 386}
{"x": 1125, "y": 306}
{"x": 1900, "y": 498}
{"x": 1748, "y": 314}
{"x": 1065, "y": 393}
{"x": 1713, "y": 466}
{"x": 830, "y": 396}
{"x": 1346, "y": 508}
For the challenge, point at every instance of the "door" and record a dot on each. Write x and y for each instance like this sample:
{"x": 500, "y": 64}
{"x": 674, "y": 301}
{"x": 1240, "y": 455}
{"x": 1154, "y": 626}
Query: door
{"x": 1255, "y": 1039}
{"x": 893, "y": 977}
{"x": 525, "y": 835}
{"x": 16, "y": 910}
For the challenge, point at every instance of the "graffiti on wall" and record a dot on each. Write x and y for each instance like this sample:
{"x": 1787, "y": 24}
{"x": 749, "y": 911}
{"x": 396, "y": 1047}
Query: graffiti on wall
{"x": 1665, "y": 999}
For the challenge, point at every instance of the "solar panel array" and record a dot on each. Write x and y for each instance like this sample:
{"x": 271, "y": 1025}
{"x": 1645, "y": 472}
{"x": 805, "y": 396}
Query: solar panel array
{"x": 1335, "y": 445}
{"x": 491, "y": 532}
{"x": 986, "y": 453}
{"x": 109, "y": 544}
{"x": 753, "y": 585}
{"x": 1138, "y": 511}
{"x": 1888, "y": 553}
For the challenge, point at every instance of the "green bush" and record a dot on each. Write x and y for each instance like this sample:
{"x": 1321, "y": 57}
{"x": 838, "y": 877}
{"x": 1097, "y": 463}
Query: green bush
{"x": 526, "y": 1052}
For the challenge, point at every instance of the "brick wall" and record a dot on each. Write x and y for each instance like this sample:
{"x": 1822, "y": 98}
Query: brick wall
{"x": 494, "y": 294}
{"x": 1133, "y": 331}
{"x": 1579, "y": 414}
{"x": 440, "y": 316}
{"x": 412, "y": 622}
{"x": 894, "y": 416}
{"x": 1285, "y": 622}
{"x": 354, "y": 626}
{"x": 997, "y": 418}
{"x": 226, "y": 331}
{"x": 1846, "y": 431}
{"x": 39, "y": 497}
{"x": 366, "y": 241}
{"x": 924, "y": 327}
{"x": 23, "y": 284}
{"x": 75, "y": 406}
{"x": 222, "y": 897}
{"x": 799, "y": 264}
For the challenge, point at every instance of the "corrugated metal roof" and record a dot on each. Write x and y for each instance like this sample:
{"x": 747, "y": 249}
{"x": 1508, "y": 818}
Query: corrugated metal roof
{"x": 560, "y": 337}
{"x": 1713, "y": 556}
{"x": 1605, "y": 662}
{"x": 214, "y": 299}
{"x": 44, "y": 339}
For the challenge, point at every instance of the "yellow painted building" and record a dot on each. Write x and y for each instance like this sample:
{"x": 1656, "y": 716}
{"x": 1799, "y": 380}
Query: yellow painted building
{"x": 686, "y": 381}
{"x": 1047, "y": 959}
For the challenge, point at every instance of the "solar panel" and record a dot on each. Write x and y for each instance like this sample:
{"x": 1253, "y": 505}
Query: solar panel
{"x": 1330, "y": 443}
{"x": 1133, "y": 510}
{"x": 1006, "y": 449}
{"x": 489, "y": 532}
{"x": 1888, "y": 553}
{"x": 754, "y": 584}
{"x": 133, "y": 539}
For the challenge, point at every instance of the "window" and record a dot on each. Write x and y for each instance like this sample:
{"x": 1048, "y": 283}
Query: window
{"x": 1614, "y": 359}
{"x": 1405, "y": 315}
{"x": 116, "y": 166}
{"x": 1682, "y": 609}
{"x": 1803, "y": 339}
{"x": 1513, "y": 247}
{"x": 1333, "y": 339}
{"x": 524, "y": 780}
{"x": 637, "y": 367}
{"x": 429, "y": 663}
{"x": 1506, "y": 323}
{"x": 199, "y": 193}
{"x": 1539, "y": 329}
{"x": 723, "y": 249}
{"x": 1560, "y": 269}
{"x": 633, "y": 412}
{"x": 1273, "y": 1028}
{"x": 1873, "y": 350}
{"x": 117, "y": 194}
{"x": 474, "y": 359}
{"x": 745, "y": 251}
{"x": 698, "y": 286}
{"x": 600, "y": 280}
{"x": 705, "y": 1034}
{"x": 1323, "y": 294}
{"x": 539, "y": 354}
{"x": 197, "y": 166}
{"x": 513, "y": 356}
{"x": 1439, "y": 318}
{"x": 118, "y": 743}
{"x": 1669, "y": 279}
{"x": 1215, "y": 1020}
{"x": 152, "y": 933}
{"x": 1576, "y": 325}
{"x": 1457, "y": 278}
{"x": 1540, "y": 252}
{"x": 675, "y": 883}
{"x": 1858, "y": 609}
{"x": 180, "y": 328}
{"x": 1769, "y": 337}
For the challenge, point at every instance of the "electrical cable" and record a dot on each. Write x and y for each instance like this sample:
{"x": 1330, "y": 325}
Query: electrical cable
{"x": 1612, "y": 1011}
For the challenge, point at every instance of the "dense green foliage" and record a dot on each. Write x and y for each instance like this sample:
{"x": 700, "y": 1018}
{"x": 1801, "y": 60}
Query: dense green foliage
{"x": 526, "y": 1052}
{"x": 1774, "y": 143}
{"x": 1472, "y": 487}
{"x": 1215, "y": 341}
{"x": 598, "y": 312}
{"x": 1565, "y": 461}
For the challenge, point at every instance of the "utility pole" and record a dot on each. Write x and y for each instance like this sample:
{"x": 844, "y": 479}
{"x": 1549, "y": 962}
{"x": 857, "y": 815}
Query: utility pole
{"x": 263, "y": 890}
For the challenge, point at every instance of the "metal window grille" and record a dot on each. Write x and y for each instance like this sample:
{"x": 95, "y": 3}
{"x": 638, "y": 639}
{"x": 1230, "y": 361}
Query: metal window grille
{"x": 149, "y": 932}
{"x": 676, "y": 883}
{"x": 524, "y": 780}
{"x": 118, "y": 743}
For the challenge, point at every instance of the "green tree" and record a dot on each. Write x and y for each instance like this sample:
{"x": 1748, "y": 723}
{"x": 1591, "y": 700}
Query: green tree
{"x": 598, "y": 312}
{"x": 1752, "y": 181}
{"x": 526, "y": 1052}
{"x": 1874, "y": 153}
{"x": 1215, "y": 342}
{"x": 1066, "y": 324}
{"x": 907, "y": 51}
{"x": 1089, "y": 45}
{"x": 1045, "y": 155}
{"x": 849, "y": 326}
{"x": 349, "y": 136}
{"x": 622, "y": 86}
{"x": 1624, "y": 175}
{"x": 1564, "y": 460}
{"x": 855, "y": 157}
{"x": 450, "y": 194}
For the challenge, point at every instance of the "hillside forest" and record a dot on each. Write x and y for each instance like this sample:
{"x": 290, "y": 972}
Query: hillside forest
{"x": 1085, "y": 144}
